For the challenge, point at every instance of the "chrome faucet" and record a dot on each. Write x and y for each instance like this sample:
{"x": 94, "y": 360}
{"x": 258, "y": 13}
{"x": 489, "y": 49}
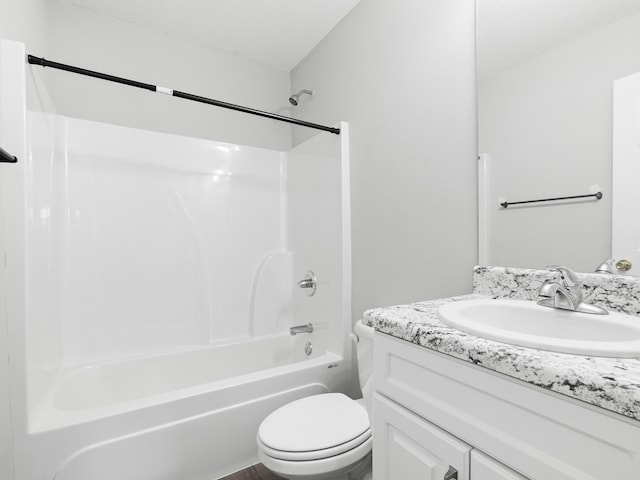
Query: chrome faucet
{"x": 308, "y": 328}
{"x": 566, "y": 293}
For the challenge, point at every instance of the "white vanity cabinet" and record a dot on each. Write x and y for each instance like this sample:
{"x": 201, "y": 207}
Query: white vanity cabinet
{"x": 410, "y": 448}
{"x": 433, "y": 412}
{"x": 414, "y": 449}
{"x": 486, "y": 468}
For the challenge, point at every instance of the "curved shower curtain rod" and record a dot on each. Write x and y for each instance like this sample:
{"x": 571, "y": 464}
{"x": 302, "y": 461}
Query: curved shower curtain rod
{"x": 176, "y": 93}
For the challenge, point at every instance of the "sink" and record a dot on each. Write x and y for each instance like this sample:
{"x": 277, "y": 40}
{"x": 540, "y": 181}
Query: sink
{"x": 528, "y": 324}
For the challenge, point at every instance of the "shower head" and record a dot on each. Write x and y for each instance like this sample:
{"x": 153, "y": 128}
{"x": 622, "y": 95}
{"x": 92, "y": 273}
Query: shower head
{"x": 293, "y": 99}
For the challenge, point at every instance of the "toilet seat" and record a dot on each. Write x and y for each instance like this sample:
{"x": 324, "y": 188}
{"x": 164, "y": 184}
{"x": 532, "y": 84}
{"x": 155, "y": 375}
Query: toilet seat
{"x": 315, "y": 428}
{"x": 322, "y": 468}
{"x": 316, "y": 454}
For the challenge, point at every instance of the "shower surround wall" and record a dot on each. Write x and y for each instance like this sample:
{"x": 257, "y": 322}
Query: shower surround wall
{"x": 149, "y": 241}
{"x": 150, "y": 286}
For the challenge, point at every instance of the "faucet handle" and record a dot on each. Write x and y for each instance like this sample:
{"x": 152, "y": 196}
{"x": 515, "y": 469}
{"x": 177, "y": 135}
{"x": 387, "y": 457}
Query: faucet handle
{"x": 309, "y": 281}
{"x": 568, "y": 277}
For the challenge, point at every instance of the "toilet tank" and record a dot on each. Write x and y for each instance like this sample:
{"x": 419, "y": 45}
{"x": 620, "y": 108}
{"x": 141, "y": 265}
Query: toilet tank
{"x": 364, "y": 346}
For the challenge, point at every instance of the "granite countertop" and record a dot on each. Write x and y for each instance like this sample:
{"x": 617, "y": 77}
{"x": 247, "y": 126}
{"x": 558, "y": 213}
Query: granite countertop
{"x": 609, "y": 383}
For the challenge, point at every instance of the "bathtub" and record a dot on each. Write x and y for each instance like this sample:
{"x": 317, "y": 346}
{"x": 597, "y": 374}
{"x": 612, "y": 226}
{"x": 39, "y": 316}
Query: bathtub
{"x": 184, "y": 415}
{"x": 91, "y": 281}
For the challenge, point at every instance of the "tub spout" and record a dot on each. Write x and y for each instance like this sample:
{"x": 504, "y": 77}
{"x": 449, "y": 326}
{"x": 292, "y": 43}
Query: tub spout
{"x": 308, "y": 328}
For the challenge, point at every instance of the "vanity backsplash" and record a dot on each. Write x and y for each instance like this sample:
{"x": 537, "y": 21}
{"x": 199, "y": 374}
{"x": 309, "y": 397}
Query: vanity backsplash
{"x": 614, "y": 292}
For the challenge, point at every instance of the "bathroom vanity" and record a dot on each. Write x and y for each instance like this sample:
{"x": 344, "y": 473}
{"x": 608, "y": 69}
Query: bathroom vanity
{"x": 450, "y": 405}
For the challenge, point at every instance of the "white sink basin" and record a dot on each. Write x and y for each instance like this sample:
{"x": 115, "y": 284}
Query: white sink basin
{"x": 527, "y": 324}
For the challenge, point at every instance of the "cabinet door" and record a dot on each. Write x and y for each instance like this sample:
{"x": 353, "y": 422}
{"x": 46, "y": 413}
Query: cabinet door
{"x": 484, "y": 467}
{"x": 407, "y": 447}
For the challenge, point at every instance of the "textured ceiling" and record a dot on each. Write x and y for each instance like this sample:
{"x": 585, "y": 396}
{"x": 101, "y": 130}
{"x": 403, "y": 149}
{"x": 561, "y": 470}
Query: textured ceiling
{"x": 510, "y": 31}
{"x": 279, "y": 33}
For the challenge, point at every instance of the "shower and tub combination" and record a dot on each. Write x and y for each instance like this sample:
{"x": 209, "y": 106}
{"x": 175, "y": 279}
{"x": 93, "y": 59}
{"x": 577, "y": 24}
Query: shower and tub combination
{"x": 153, "y": 283}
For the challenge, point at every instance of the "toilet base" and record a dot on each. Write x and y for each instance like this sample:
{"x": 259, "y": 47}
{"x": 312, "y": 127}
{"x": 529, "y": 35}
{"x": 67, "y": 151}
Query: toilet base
{"x": 359, "y": 471}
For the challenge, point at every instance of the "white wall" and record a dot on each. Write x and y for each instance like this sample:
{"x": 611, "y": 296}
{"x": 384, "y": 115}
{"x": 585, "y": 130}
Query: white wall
{"x": 547, "y": 125}
{"x": 24, "y": 21}
{"x": 90, "y": 40}
{"x": 402, "y": 75}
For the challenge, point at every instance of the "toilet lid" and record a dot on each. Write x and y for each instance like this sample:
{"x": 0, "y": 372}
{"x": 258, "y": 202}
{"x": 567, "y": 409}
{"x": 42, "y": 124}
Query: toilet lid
{"x": 315, "y": 423}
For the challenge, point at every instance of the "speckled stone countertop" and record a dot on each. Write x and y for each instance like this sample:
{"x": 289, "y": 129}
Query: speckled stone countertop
{"x": 609, "y": 383}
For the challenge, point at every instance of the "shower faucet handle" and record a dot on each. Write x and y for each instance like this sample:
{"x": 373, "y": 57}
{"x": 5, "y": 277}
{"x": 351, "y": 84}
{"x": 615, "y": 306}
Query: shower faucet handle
{"x": 309, "y": 281}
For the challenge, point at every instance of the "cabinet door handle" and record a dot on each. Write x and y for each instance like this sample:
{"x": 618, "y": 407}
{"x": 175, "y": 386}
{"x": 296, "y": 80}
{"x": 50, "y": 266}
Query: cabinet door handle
{"x": 452, "y": 474}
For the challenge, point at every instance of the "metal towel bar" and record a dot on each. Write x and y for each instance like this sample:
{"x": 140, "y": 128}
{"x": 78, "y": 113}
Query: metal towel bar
{"x": 597, "y": 195}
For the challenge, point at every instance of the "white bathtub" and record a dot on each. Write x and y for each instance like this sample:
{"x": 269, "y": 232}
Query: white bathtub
{"x": 189, "y": 415}
{"x": 96, "y": 276}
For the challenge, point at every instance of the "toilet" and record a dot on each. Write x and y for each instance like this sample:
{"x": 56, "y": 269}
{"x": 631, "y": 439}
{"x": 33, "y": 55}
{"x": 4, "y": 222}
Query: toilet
{"x": 326, "y": 436}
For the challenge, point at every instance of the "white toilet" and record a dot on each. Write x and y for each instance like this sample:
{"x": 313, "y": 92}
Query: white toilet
{"x": 326, "y": 436}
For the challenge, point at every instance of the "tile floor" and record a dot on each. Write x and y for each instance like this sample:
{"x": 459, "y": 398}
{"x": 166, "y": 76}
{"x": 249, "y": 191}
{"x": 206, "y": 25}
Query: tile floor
{"x": 255, "y": 472}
